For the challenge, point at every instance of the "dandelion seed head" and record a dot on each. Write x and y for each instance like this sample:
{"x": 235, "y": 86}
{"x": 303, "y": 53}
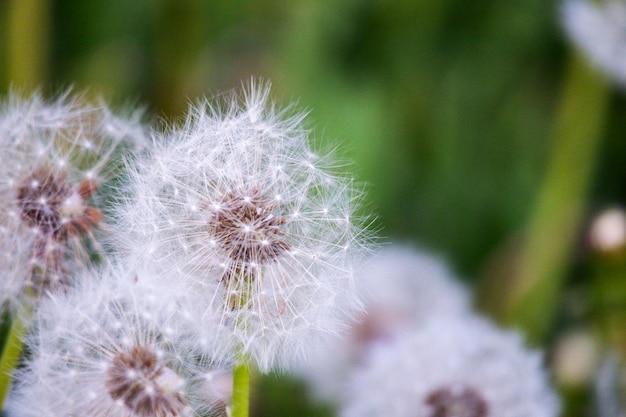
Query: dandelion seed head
{"x": 454, "y": 366}
{"x": 400, "y": 286}
{"x": 240, "y": 173}
{"x": 56, "y": 158}
{"x": 97, "y": 352}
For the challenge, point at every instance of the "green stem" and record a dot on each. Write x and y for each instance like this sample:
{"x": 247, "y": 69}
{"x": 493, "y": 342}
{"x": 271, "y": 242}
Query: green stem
{"x": 28, "y": 34}
{"x": 241, "y": 390}
{"x": 11, "y": 355}
{"x": 241, "y": 373}
{"x": 534, "y": 294}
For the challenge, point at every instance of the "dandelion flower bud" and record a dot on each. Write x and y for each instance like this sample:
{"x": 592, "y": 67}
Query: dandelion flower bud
{"x": 112, "y": 347}
{"x": 452, "y": 367}
{"x": 237, "y": 207}
{"x": 55, "y": 158}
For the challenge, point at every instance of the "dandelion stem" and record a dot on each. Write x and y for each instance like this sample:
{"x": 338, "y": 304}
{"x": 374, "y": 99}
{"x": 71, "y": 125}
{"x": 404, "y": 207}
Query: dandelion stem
{"x": 241, "y": 389}
{"x": 28, "y": 28}
{"x": 241, "y": 371}
{"x": 11, "y": 354}
{"x": 552, "y": 229}
{"x": 14, "y": 343}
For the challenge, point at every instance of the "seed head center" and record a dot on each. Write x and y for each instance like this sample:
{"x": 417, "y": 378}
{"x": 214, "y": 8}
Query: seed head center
{"x": 55, "y": 207}
{"x": 146, "y": 387}
{"x": 247, "y": 230}
{"x": 456, "y": 401}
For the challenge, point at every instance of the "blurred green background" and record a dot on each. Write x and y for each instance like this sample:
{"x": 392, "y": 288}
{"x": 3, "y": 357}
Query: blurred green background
{"x": 445, "y": 106}
{"x": 448, "y": 109}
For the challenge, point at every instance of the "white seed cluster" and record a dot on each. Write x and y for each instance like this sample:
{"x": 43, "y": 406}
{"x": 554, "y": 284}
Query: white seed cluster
{"x": 401, "y": 286}
{"x": 55, "y": 159}
{"x": 452, "y": 367}
{"x": 237, "y": 207}
{"x": 112, "y": 347}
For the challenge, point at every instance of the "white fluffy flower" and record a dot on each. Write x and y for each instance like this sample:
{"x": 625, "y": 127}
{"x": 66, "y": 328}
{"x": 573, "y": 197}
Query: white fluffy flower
{"x": 599, "y": 30}
{"x": 237, "y": 207}
{"x": 401, "y": 287}
{"x": 54, "y": 160}
{"x": 452, "y": 367}
{"x": 113, "y": 347}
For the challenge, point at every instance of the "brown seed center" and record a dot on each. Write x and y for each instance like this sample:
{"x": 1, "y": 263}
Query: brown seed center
{"x": 246, "y": 229}
{"x": 39, "y": 198}
{"x": 57, "y": 208}
{"x": 456, "y": 401}
{"x": 145, "y": 386}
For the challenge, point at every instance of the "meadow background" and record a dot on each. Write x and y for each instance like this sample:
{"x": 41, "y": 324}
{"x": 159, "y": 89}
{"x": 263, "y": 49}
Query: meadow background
{"x": 449, "y": 110}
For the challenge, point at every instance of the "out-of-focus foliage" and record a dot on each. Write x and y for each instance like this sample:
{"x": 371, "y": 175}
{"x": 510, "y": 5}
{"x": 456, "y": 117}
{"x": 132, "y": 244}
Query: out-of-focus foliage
{"x": 446, "y": 107}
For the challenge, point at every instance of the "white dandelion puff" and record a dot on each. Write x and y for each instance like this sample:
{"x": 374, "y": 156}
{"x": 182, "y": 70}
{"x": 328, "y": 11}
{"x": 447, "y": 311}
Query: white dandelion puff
{"x": 55, "y": 159}
{"x": 112, "y": 347}
{"x": 237, "y": 206}
{"x": 452, "y": 367}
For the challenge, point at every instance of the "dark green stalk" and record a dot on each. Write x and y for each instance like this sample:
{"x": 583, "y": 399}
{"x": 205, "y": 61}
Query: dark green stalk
{"x": 534, "y": 294}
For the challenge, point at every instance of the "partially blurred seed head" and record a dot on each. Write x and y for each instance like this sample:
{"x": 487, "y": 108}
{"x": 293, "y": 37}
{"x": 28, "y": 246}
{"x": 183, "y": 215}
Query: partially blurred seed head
{"x": 452, "y": 366}
{"x": 114, "y": 346}
{"x": 402, "y": 286}
{"x": 55, "y": 158}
